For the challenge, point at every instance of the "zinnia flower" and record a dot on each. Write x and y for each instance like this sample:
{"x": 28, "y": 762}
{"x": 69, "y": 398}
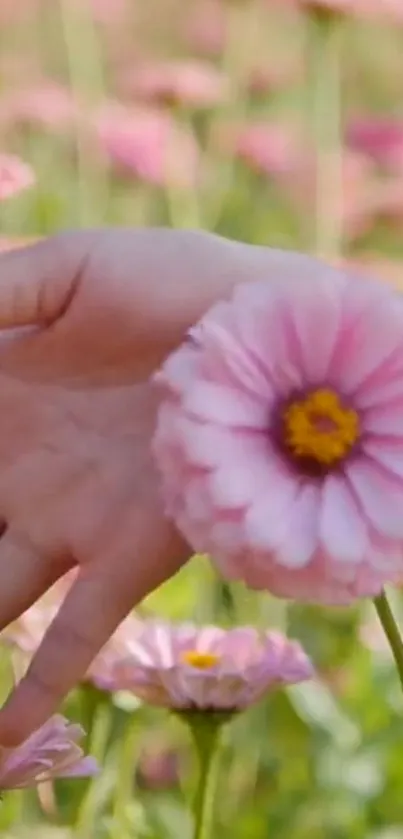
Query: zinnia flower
{"x": 187, "y": 668}
{"x": 15, "y": 176}
{"x": 148, "y": 144}
{"x": 50, "y": 752}
{"x": 196, "y": 84}
{"x": 280, "y": 443}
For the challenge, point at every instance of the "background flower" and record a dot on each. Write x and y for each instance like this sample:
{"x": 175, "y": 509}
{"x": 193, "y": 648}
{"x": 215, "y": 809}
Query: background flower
{"x": 51, "y": 752}
{"x": 186, "y": 667}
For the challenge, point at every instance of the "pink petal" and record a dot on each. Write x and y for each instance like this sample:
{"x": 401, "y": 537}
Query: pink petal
{"x": 300, "y": 542}
{"x": 389, "y": 457}
{"x": 267, "y": 519}
{"x": 359, "y": 355}
{"x": 220, "y": 404}
{"x": 342, "y": 528}
{"x": 315, "y": 318}
{"x": 380, "y": 497}
{"x": 385, "y": 421}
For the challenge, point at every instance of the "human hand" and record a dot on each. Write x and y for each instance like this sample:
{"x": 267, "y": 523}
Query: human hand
{"x": 88, "y": 317}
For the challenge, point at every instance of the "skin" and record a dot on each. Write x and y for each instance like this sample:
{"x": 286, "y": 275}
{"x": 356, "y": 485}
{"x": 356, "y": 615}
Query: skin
{"x": 88, "y": 317}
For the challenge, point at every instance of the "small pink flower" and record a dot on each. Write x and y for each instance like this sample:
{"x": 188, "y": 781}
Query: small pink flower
{"x": 53, "y": 751}
{"x": 15, "y": 176}
{"x": 280, "y": 443}
{"x": 379, "y": 139}
{"x": 47, "y": 105}
{"x": 389, "y": 9}
{"x": 186, "y": 667}
{"x": 266, "y": 148}
{"x": 149, "y": 144}
{"x": 195, "y": 84}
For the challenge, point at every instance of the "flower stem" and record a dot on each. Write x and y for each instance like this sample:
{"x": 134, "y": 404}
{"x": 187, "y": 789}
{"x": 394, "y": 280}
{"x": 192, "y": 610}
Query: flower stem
{"x": 206, "y": 738}
{"x": 324, "y": 114}
{"x": 391, "y": 631}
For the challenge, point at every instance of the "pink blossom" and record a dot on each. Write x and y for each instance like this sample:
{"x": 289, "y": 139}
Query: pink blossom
{"x": 269, "y": 149}
{"x": 185, "y": 666}
{"x": 379, "y": 139}
{"x": 205, "y": 27}
{"x": 53, "y": 751}
{"x": 196, "y": 84}
{"x": 391, "y": 9}
{"x": 15, "y": 176}
{"x": 149, "y": 144}
{"x": 280, "y": 441}
{"x": 46, "y": 105}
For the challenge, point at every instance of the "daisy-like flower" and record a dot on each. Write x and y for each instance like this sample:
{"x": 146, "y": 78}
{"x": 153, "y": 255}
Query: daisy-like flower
{"x": 52, "y": 751}
{"x": 280, "y": 443}
{"x": 15, "y": 176}
{"x": 187, "y": 668}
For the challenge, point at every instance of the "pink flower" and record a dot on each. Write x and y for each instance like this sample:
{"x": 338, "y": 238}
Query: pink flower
{"x": 267, "y": 148}
{"x": 363, "y": 8}
{"x": 47, "y": 105}
{"x": 280, "y": 443}
{"x": 51, "y": 752}
{"x": 149, "y": 144}
{"x": 196, "y": 84}
{"x": 379, "y": 139}
{"x": 15, "y": 176}
{"x": 186, "y": 667}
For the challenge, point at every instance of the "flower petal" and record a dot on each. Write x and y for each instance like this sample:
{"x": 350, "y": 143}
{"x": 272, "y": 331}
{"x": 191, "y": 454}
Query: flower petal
{"x": 380, "y": 497}
{"x": 301, "y": 537}
{"x": 220, "y": 404}
{"x": 342, "y": 529}
{"x": 267, "y": 520}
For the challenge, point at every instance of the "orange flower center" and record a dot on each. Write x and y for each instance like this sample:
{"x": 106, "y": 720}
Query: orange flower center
{"x": 201, "y": 661}
{"x": 320, "y": 428}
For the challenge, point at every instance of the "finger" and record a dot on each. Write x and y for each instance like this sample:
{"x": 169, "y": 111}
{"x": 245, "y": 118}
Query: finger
{"x": 98, "y": 601}
{"x": 25, "y": 575}
{"x": 38, "y": 280}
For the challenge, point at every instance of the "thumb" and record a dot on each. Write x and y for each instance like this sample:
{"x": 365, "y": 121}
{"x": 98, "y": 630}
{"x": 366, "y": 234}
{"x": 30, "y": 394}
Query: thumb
{"x": 37, "y": 281}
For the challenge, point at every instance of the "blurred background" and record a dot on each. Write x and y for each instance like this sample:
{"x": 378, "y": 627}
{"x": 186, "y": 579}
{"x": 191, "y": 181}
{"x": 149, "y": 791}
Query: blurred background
{"x": 278, "y": 123}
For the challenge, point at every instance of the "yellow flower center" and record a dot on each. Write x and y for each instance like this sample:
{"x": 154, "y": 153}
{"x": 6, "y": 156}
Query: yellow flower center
{"x": 320, "y": 428}
{"x": 201, "y": 661}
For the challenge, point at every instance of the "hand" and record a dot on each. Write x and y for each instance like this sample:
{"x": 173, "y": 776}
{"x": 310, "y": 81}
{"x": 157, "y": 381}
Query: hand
{"x": 87, "y": 318}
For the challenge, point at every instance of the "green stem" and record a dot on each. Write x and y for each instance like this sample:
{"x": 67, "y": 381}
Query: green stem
{"x": 391, "y": 631}
{"x": 325, "y": 124}
{"x": 206, "y": 738}
{"x": 121, "y": 822}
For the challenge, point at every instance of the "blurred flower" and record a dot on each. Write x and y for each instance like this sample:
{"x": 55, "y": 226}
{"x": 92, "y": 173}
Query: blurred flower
{"x": 187, "y": 667}
{"x": 363, "y": 8}
{"x": 149, "y": 144}
{"x": 15, "y": 176}
{"x": 267, "y": 148}
{"x": 48, "y": 106}
{"x": 380, "y": 139}
{"x": 158, "y": 768}
{"x": 205, "y": 27}
{"x": 195, "y": 84}
{"x": 108, "y": 11}
{"x": 51, "y": 752}
{"x": 280, "y": 440}
{"x": 26, "y": 634}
